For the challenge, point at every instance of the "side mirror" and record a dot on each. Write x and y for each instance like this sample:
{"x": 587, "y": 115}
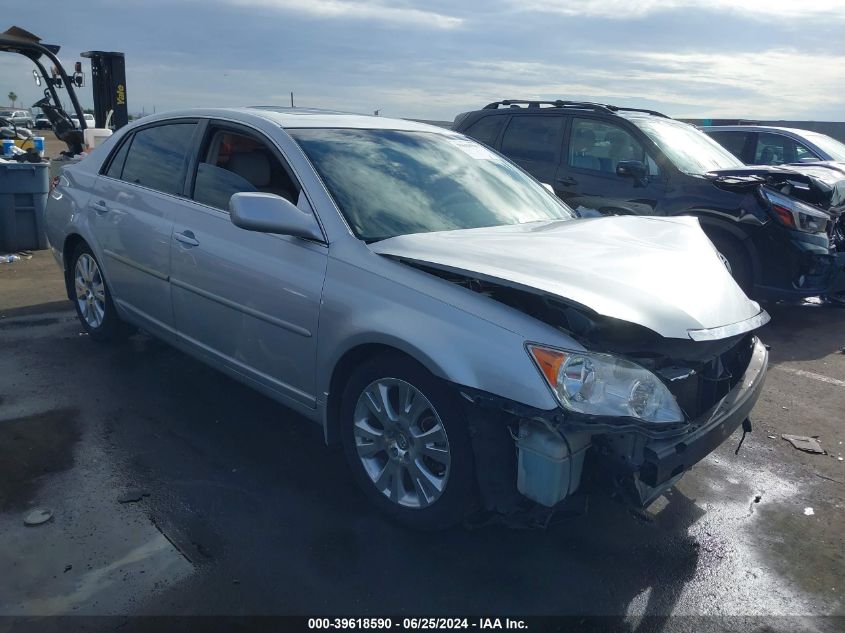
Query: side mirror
{"x": 635, "y": 169}
{"x": 37, "y": 77}
{"x": 269, "y": 213}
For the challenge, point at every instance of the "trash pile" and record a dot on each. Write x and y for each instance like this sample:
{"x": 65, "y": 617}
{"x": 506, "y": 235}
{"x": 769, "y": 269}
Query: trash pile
{"x": 8, "y": 259}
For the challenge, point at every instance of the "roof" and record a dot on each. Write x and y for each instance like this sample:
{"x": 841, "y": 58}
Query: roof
{"x": 754, "y": 128}
{"x": 305, "y": 118}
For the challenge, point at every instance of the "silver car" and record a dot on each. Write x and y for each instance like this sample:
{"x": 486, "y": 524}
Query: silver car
{"x": 468, "y": 340}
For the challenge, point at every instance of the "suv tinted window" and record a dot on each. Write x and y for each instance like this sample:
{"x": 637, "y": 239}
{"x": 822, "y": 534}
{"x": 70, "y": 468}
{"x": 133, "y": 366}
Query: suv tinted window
{"x": 158, "y": 155}
{"x": 734, "y": 142}
{"x": 233, "y": 163}
{"x": 600, "y": 146}
{"x": 533, "y": 137}
{"x": 486, "y": 129}
{"x": 774, "y": 149}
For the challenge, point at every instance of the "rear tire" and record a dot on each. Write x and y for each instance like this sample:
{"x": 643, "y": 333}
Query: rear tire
{"x": 406, "y": 442}
{"x": 92, "y": 298}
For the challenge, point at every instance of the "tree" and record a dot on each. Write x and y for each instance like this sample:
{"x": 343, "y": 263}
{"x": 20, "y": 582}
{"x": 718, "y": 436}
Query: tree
{"x": 13, "y": 98}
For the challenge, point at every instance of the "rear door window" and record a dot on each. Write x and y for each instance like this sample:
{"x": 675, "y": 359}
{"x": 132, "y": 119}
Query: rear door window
{"x": 158, "y": 157}
{"x": 535, "y": 138}
{"x": 115, "y": 168}
{"x": 486, "y": 130}
{"x": 734, "y": 142}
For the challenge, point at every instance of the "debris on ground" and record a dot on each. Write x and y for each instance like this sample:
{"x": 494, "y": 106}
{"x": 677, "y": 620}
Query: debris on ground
{"x": 37, "y": 517}
{"x": 805, "y": 443}
{"x": 67, "y": 568}
{"x": 773, "y": 437}
{"x": 132, "y": 495}
{"x": 808, "y": 512}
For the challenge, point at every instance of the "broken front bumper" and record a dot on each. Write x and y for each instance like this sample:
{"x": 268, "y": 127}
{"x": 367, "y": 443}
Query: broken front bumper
{"x": 663, "y": 460}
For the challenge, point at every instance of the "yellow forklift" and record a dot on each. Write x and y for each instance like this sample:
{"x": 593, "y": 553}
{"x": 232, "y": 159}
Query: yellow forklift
{"x": 108, "y": 78}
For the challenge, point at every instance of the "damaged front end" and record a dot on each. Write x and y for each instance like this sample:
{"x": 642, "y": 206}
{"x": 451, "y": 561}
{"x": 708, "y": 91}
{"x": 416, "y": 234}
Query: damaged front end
{"x": 808, "y": 200}
{"x": 714, "y": 383}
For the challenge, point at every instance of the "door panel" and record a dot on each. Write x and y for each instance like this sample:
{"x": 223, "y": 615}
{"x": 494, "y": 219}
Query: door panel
{"x": 249, "y": 299}
{"x": 533, "y": 142}
{"x": 131, "y": 213}
{"x": 133, "y": 227}
{"x": 586, "y": 177}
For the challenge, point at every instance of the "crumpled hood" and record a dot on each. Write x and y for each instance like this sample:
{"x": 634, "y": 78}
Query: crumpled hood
{"x": 821, "y": 183}
{"x": 661, "y": 273}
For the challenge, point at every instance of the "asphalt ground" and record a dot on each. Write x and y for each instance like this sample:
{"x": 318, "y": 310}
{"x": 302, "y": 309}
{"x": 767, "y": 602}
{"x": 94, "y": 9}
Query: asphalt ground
{"x": 242, "y": 510}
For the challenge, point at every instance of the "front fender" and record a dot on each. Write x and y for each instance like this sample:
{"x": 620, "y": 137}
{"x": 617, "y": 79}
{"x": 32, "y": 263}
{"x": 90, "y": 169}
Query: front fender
{"x": 361, "y": 307}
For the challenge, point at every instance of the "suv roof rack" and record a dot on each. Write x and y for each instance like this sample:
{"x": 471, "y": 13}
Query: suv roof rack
{"x": 576, "y": 105}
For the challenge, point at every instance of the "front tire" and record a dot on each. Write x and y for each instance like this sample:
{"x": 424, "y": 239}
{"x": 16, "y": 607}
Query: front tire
{"x": 406, "y": 442}
{"x": 92, "y": 298}
{"x": 735, "y": 260}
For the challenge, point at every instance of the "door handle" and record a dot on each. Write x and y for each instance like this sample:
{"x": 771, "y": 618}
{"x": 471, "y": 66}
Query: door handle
{"x": 100, "y": 206}
{"x": 567, "y": 181}
{"x": 187, "y": 238}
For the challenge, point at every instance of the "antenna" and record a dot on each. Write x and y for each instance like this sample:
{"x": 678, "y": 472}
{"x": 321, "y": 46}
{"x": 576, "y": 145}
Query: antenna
{"x": 291, "y": 100}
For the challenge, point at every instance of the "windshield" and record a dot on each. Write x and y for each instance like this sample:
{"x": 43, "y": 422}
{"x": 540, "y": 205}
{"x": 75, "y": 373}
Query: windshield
{"x": 689, "y": 149}
{"x": 389, "y": 182}
{"x": 830, "y": 146}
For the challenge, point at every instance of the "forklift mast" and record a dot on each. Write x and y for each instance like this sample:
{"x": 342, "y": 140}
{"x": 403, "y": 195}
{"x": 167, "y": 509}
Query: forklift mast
{"x": 108, "y": 79}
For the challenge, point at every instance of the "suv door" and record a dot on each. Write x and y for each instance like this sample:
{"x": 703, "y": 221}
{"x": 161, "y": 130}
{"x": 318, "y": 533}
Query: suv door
{"x": 587, "y": 178}
{"x": 247, "y": 300}
{"x": 533, "y": 142}
{"x": 131, "y": 212}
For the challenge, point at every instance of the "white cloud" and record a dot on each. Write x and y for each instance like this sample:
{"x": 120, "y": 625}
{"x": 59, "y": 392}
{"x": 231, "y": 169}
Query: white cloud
{"x": 360, "y": 10}
{"x": 775, "y": 83}
{"x": 624, "y": 9}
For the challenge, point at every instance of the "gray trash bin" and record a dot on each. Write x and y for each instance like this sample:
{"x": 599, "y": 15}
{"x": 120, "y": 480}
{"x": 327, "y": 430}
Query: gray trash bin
{"x": 23, "y": 197}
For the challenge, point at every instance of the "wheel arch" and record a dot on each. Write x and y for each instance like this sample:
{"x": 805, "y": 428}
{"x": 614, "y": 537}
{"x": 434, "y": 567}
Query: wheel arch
{"x": 71, "y": 243}
{"x": 354, "y": 357}
{"x": 714, "y": 225}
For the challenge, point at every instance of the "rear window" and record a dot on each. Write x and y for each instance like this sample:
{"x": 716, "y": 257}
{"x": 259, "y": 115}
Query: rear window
{"x": 158, "y": 156}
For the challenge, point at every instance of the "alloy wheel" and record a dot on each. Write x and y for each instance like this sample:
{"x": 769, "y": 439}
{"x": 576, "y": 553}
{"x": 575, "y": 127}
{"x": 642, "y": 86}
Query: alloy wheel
{"x": 90, "y": 290}
{"x": 401, "y": 442}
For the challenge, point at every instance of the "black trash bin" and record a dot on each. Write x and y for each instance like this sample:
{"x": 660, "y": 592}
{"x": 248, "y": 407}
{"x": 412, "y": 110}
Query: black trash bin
{"x": 23, "y": 197}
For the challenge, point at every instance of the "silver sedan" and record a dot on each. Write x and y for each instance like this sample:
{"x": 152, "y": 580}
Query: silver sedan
{"x": 467, "y": 338}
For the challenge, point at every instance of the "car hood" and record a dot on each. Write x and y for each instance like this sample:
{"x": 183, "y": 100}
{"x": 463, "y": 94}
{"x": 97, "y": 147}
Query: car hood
{"x": 821, "y": 183}
{"x": 661, "y": 273}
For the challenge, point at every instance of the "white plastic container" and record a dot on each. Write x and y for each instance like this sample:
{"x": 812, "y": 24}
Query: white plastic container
{"x": 94, "y": 136}
{"x": 543, "y": 468}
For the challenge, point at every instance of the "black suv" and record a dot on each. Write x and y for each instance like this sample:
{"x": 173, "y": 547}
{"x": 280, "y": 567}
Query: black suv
{"x": 604, "y": 160}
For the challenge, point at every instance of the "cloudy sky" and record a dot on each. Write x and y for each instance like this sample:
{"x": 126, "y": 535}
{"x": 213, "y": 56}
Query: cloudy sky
{"x": 764, "y": 59}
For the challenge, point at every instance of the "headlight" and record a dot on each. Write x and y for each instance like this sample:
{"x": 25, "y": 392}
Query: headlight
{"x": 795, "y": 214}
{"x": 601, "y": 384}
